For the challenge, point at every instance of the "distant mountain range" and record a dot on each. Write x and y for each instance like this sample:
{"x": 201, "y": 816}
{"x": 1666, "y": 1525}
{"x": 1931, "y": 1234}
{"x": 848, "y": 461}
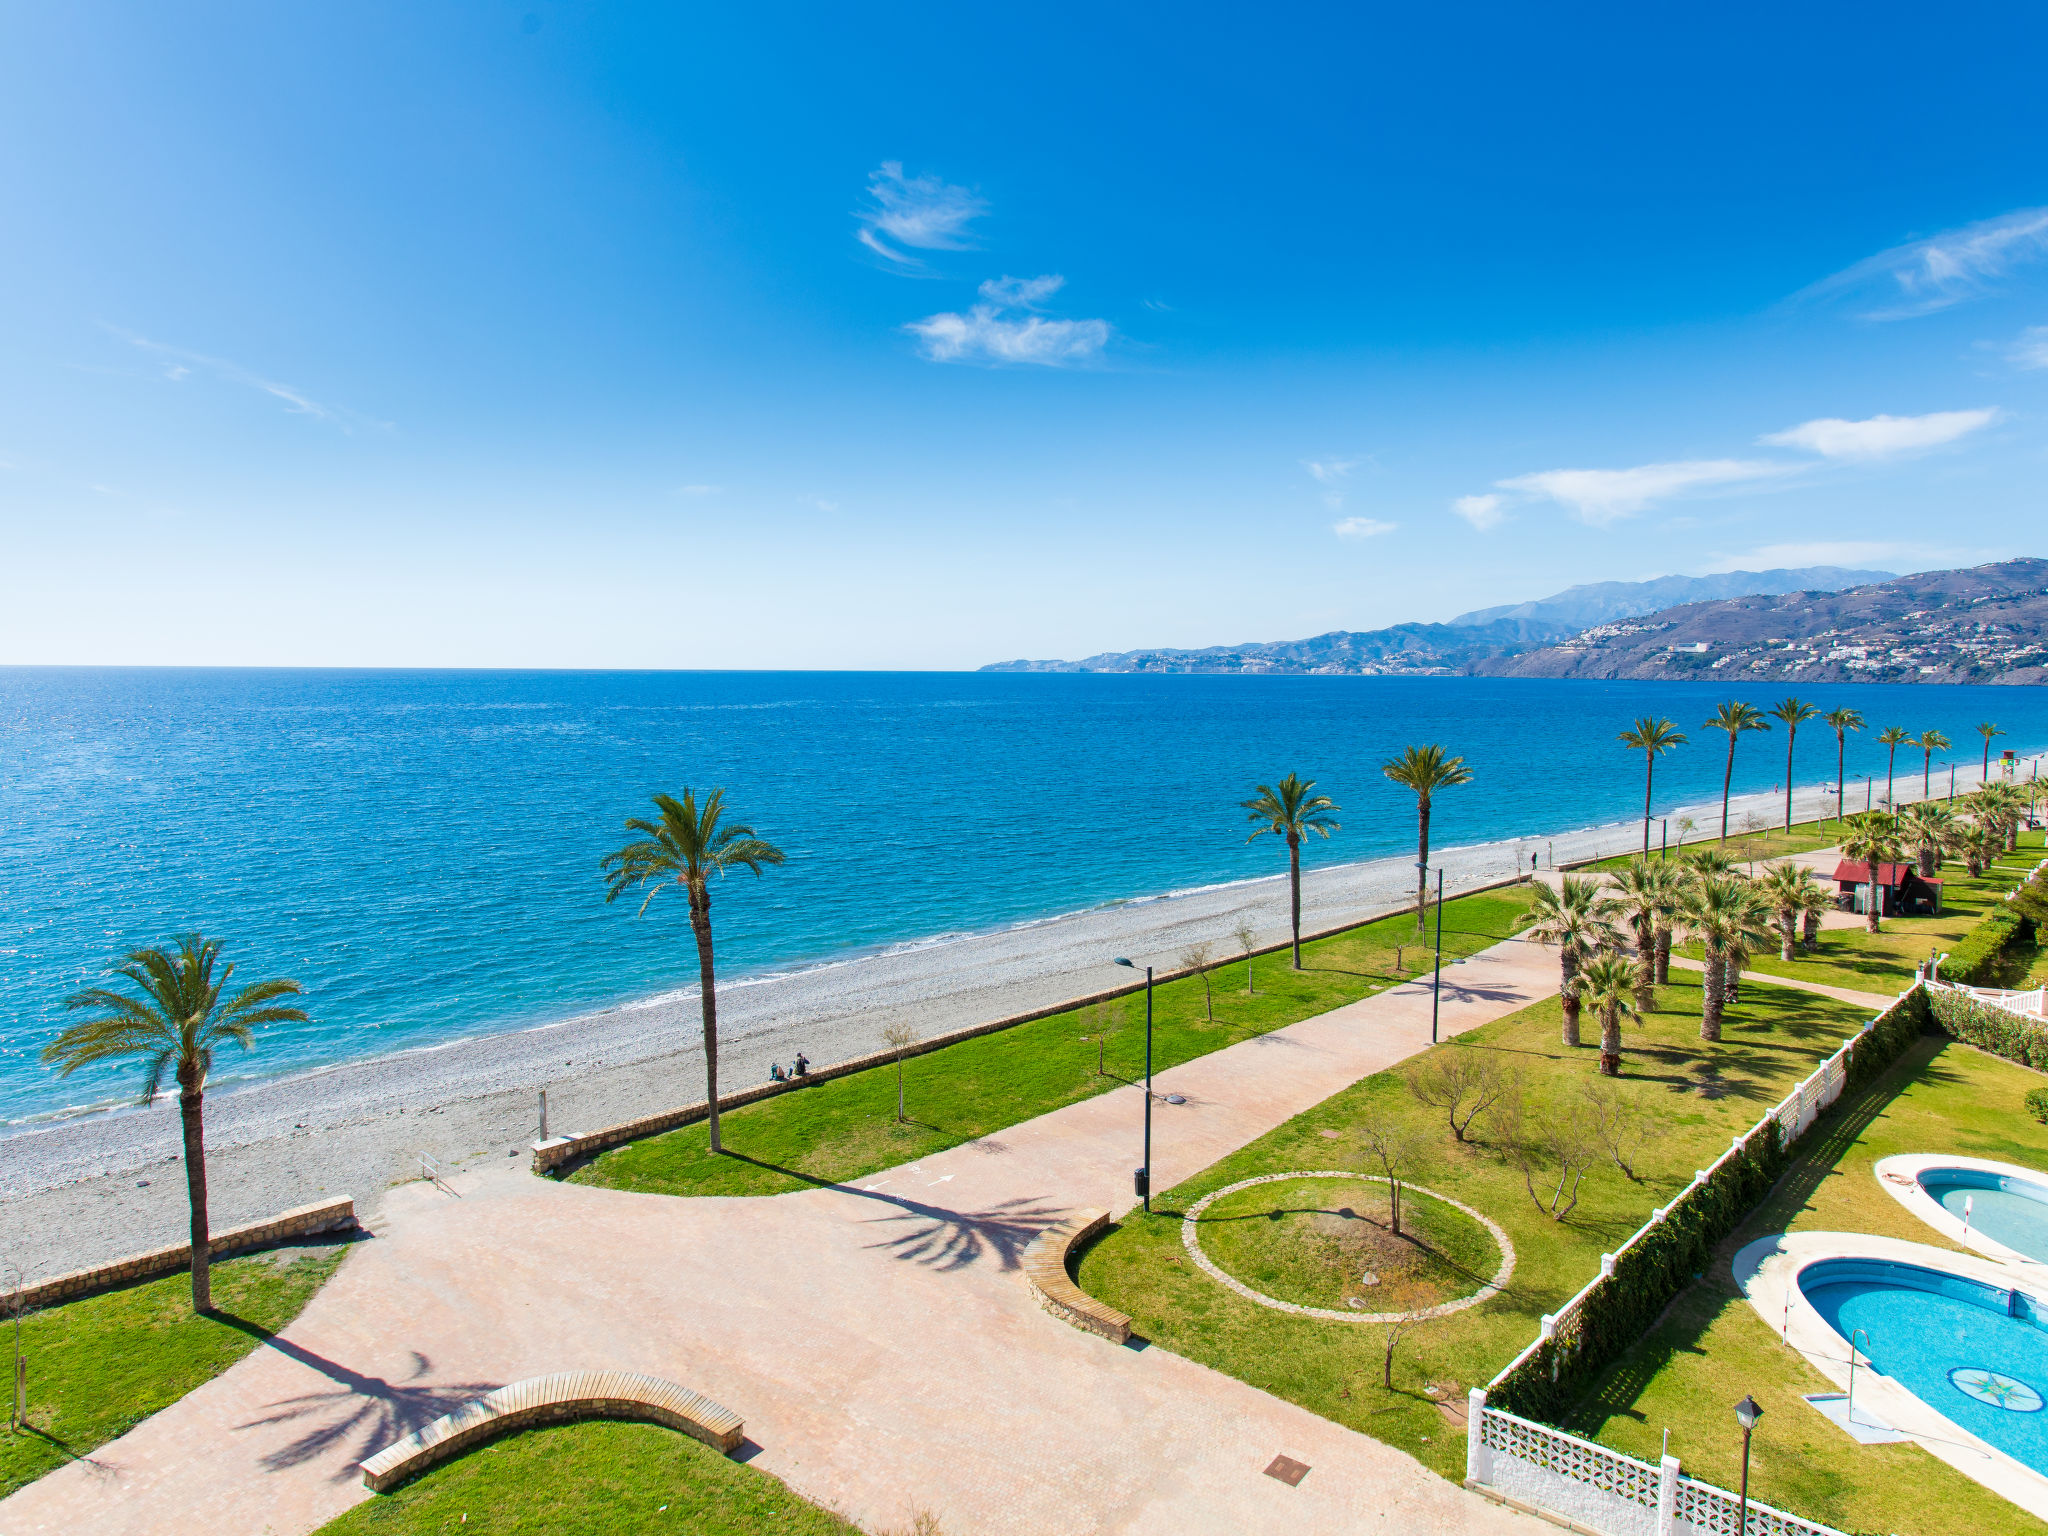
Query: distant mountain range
{"x": 1987, "y": 624}
{"x": 1483, "y": 640}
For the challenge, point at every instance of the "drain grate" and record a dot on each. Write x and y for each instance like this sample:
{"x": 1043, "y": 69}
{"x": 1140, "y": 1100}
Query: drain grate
{"x": 1288, "y": 1470}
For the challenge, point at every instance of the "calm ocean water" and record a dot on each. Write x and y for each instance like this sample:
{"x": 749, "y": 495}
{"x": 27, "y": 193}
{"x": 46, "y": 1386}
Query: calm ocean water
{"x": 421, "y": 848}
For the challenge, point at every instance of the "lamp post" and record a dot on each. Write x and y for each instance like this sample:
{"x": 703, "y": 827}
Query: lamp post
{"x": 1141, "y": 1179}
{"x": 1746, "y": 1414}
{"x": 1436, "y": 975}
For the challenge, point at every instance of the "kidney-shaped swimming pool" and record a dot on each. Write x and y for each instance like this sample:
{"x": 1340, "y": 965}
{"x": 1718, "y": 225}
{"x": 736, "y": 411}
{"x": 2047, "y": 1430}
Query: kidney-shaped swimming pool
{"x": 1975, "y": 1353}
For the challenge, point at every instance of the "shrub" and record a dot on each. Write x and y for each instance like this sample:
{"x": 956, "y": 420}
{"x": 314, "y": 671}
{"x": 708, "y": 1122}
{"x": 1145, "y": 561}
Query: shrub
{"x": 2037, "y": 1104}
{"x": 1996, "y": 1030}
{"x": 1979, "y": 956}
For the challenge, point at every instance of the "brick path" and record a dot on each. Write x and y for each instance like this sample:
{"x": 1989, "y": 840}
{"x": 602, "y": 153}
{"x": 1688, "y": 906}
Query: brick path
{"x": 877, "y": 1340}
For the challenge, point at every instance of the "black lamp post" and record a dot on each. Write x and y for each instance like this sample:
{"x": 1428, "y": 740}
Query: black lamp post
{"x": 1746, "y": 1414}
{"x": 1436, "y": 978}
{"x": 1141, "y": 1179}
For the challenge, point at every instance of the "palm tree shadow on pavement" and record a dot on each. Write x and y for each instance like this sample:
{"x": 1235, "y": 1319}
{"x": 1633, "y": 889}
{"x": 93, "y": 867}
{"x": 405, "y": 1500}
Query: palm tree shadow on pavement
{"x": 370, "y": 1409}
{"x": 948, "y": 1240}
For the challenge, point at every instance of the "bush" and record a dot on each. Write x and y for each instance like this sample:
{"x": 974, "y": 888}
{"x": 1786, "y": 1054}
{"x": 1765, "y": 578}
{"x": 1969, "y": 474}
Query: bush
{"x": 2037, "y": 1104}
{"x": 1978, "y": 959}
{"x": 2010, "y": 1035}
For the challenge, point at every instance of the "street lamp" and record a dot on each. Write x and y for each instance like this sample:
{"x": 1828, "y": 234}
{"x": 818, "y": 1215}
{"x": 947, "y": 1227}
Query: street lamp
{"x": 1436, "y": 978}
{"x": 1746, "y": 1414}
{"x": 1141, "y": 1178}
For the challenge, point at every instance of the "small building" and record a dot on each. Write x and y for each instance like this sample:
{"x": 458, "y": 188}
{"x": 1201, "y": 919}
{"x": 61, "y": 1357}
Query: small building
{"x": 1903, "y": 890}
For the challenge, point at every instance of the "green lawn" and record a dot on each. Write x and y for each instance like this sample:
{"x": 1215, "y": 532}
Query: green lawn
{"x": 1766, "y": 843}
{"x": 1692, "y": 1097}
{"x": 1711, "y": 1347}
{"x": 1883, "y": 962}
{"x": 596, "y": 1479}
{"x": 846, "y": 1128}
{"x": 100, "y": 1365}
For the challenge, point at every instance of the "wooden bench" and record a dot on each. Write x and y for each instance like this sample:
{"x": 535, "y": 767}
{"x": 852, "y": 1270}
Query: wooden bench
{"x": 562, "y": 1398}
{"x": 1045, "y": 1269}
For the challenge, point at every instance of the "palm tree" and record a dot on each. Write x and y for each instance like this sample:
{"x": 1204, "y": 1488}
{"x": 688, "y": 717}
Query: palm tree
{"x": 1978, "y": 845}
{"x": 175, "y": 1026}
{"x": 1999, "y": 806}
{"x": 1815, "y": 901}
{"x": 1649, "y": 891}
{"x": 1722, "y": 913}
{"x": 1785, "y": 887}
{"x": 1987, "y": 730}
{"x": 1425, "y": 770}
{"x": 1792, "y": 713}
{"x": 1734, "y": 717}
{"x": 1930, "y": 742}
{"x": 1290, "y": 811}
{"x": 685, "y": 848}
{"x": 1844, "y": 721}
{"x": 1653, "y": 738}
{"x": 1927, "y": 826}
{"x": 1894, "y": 737}
{"x": 1872, "y": 838}
{"x": 1607, "y": 985}
{"x": 1574, "y": 919}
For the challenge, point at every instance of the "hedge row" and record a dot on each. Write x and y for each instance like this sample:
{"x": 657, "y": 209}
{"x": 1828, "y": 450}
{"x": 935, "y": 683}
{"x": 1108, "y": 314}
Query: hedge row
{"x": 1992, "y": 1029}
{"x": 1619, "y": 1312}
{"x": 1979, "y": 956}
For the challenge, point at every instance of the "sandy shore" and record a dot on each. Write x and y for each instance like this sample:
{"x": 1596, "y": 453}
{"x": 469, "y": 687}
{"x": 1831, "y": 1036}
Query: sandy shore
{"x": 84, "y": 1191}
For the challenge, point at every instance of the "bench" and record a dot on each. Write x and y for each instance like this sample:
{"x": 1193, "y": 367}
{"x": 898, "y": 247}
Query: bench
{"x": 563, "y": 1398}
{"x": 1045, "y": 1269}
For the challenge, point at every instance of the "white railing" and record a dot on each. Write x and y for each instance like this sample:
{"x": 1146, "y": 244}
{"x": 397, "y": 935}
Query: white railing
{"x": 2033, "y": 1004}
{"x": 1604, "y": 1490}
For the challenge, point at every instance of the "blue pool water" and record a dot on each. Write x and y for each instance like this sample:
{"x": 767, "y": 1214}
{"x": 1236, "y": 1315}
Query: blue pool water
{"x": 1951, "y": 1342}
{"x": 2005, "y": 1209}
{"x": 421, "y": 848}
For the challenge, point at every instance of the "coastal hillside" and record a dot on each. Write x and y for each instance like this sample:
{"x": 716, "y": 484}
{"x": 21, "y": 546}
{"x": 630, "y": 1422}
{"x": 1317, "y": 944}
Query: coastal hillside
{"x": 1986, "y": 624}
{"x": 1471, "y": 642}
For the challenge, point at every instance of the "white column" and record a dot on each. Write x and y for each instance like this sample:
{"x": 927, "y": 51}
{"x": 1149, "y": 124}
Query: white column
{"x": 1667, "y": 1497}
{"x": 1478, "y": 1459}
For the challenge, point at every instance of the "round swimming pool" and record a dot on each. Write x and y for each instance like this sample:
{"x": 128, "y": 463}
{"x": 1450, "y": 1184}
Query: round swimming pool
{"x": 1975, "y": 1353}
{"x": 2005, "y": 1208}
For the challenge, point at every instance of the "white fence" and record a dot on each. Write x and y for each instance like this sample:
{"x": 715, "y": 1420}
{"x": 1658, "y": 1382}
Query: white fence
{"x": 2029, "y": 1003}
{"x": 1604, "y": 1490}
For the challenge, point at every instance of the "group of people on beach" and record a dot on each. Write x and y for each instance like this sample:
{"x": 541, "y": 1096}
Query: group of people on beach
{"x": 799, "y": 1069}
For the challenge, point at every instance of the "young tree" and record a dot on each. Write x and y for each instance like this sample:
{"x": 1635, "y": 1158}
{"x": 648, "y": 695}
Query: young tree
{"x": 689, "y": 845}
{"x": 1576, "y": 920}
{"x": 897, "y": 1037}
{"x": 1290, "y": 810}
{"x": 1393, "y": 1145}
{"x": 1734, "y": 717}
{"x": 1464, "y": 1082}
{"x": 1425, "y": 770}
{"x": 1101, "y": 1021}
{"x": 1843, "y": 722}
{"x": 1247, "y": 940}
{"x": 1198, "y": 958}
{"x": 175, "y": 1025}
{"x": 1534, "y": 1137}
{"x": 1653, "y": 738}
{"x": 1618, "y": 1125}
{"x": 1791, "y": 713}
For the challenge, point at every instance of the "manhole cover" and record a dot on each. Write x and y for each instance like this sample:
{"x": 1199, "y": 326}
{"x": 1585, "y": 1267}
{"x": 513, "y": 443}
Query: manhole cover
{"x": 1175, "y": 1098}
{"x": 1288, "y": 1470}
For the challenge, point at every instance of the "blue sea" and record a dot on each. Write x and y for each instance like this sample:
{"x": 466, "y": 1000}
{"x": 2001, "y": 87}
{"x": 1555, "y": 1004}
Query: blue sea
{"x": 421, "y": 849}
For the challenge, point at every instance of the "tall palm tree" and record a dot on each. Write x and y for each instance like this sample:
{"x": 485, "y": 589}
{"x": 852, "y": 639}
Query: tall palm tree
{"x": 689, "y": 845}
{"x": 1425, "y": 770}
{"x": 1999, "y": 806}
{"x": 1785, "y": 887}
{"x": 1872, "y": 838}
{"x": 1844, "y": 721}
{"x": 175, "y": 1026}
{"x": 1290, "y": 811}
{"x": 1987, "y": 730}
{"x": 1930, "y": 742}
{"x": 1575, "y": 920}
{"x": 1647, "y": 895}
{"x": 1653, "y": 738}
{"x": 1607, "y": 985}
{"x": 1927, "y": 827}
{"x": 1791, "y": 713}
{"x": 1734, "y": 717}
{"x": 1722, "y": 912}
{"x": 1893, "y": 737}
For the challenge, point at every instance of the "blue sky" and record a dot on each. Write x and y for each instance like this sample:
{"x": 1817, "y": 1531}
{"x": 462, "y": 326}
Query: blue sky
{"x": 564, "y": 335}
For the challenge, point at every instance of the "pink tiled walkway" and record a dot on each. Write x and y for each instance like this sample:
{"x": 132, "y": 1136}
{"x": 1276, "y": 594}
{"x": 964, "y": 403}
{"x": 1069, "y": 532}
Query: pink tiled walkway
{"x": 877, "y": 1340}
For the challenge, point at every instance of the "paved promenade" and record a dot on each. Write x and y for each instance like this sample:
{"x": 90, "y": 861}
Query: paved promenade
{"x": 878, "y": 1340}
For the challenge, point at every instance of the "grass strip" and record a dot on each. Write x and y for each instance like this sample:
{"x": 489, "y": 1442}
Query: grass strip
{"x": 100, "y": 1365}
{"x": 846, "y": 1128}
{"x": 619, "y": 1479}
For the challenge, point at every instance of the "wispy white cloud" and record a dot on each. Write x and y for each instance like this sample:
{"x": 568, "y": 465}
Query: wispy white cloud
{"x": 180, "y": 364}
{"x": 1879, "y": 437}
{"x": 1482, "y": 512}
{"x": 2030, "y": 348}
{"x": 922, "y": 212}
{"x": 1923, "y": 276}
{"x": 1602, "y": 497}
{"x": 1362, "y": 528}
{"x": 1330, "y": 473}
{"x": 988, "y": 333}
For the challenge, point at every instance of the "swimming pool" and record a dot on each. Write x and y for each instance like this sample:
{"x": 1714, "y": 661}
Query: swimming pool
{"x": 1975, "y": 1353}
{"x": 2007, "y": 1209}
